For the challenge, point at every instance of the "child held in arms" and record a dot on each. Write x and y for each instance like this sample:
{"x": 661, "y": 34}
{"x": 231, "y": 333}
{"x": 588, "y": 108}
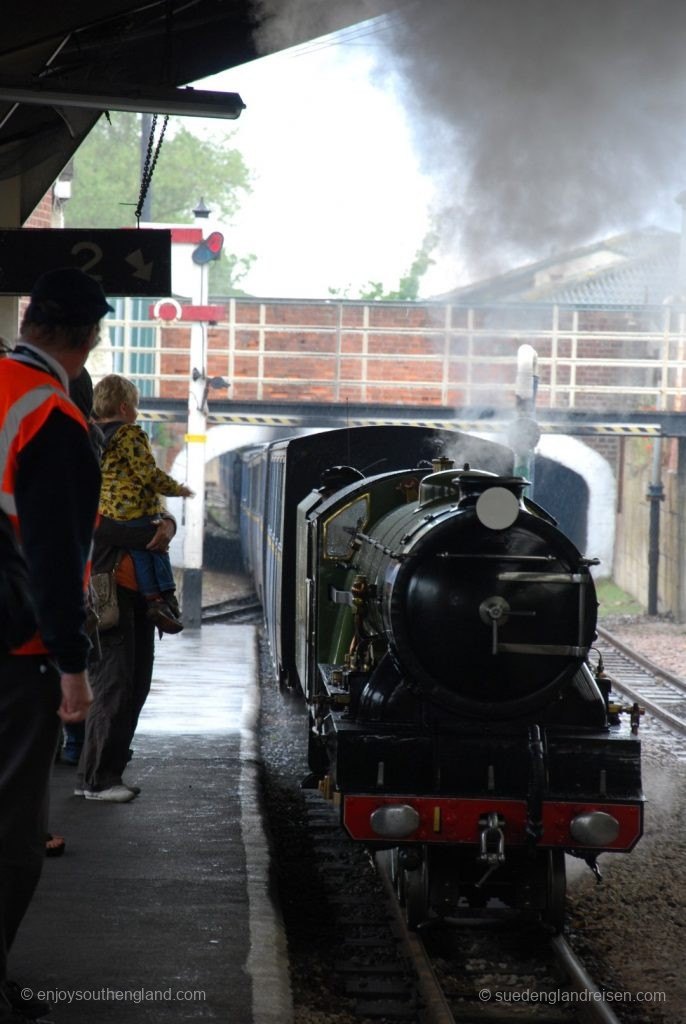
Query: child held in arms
{"x": 131, "y": 486}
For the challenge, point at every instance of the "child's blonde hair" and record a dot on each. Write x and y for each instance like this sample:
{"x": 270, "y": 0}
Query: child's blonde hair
{"x": 109, "y": 394}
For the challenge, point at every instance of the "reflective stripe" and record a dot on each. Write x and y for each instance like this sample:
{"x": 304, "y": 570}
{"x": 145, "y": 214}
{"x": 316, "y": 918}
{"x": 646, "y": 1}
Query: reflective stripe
{"x": 46, "y": 397}
{"x": 24, "y": 406}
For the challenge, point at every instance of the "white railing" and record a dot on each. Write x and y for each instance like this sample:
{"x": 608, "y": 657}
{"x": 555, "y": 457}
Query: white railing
{"x": 458, "y": 359}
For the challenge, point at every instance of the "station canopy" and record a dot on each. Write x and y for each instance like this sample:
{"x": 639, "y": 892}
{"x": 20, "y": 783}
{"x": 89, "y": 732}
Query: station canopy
{"x": 53, "y": 56}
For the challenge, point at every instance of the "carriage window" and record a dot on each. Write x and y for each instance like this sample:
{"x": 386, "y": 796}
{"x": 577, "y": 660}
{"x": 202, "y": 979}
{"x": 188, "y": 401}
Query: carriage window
{"x": 340, "y": 528}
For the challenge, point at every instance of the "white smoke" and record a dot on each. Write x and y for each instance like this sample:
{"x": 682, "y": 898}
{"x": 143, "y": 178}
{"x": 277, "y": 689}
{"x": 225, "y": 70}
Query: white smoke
{"x": 548, "y": 123}
{"x": 284, "y": 23}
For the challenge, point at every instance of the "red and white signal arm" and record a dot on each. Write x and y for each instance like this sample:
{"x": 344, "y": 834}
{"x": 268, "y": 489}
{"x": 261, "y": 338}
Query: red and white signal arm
{"x": 168, "y": 310}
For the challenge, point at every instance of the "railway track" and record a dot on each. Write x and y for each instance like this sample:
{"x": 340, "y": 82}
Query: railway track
{"x": 661, "y": 693}
{"x": 237, "y": 609}
{"x": 352, "y": 956}
{"x": 441, "y": 973}
{"x": 475, "y": 973}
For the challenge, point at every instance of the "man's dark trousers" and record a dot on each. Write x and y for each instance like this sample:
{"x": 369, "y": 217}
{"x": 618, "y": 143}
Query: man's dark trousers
{"x": 121, "y": 683}
{"x": 29, "y": 727}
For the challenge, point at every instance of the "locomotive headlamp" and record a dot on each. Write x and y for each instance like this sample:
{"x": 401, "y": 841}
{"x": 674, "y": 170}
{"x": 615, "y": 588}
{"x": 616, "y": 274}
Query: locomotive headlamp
{"x": 596, "y": 828}
{"x": 394, "y": 821}
{"x": 497, "y": 508}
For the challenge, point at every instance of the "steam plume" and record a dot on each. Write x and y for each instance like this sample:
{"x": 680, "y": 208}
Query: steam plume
{"x": 547, "y": 122}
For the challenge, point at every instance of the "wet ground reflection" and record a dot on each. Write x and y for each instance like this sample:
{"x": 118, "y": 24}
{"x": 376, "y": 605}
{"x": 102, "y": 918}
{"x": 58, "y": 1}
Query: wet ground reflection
{"x": 199, "y": 680}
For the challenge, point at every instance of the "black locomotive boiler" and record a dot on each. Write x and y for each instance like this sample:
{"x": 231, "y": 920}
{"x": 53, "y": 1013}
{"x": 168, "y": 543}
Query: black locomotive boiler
{"x": 442, "y": 629}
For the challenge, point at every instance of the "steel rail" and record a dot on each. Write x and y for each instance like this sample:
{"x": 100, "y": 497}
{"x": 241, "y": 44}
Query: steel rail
{"x": 679, "y": 724}
{"x": 595, "y": 1010}
{"x": 436, "y": 1009}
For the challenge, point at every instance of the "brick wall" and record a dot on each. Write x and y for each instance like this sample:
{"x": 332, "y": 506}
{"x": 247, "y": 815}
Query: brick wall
{"x": 43, "y": 216}
{"x": 423, "y": 353}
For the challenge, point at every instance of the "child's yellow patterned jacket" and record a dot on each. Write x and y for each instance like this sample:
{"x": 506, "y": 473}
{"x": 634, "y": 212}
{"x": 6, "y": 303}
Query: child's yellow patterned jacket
{"x": 131, "y": 480}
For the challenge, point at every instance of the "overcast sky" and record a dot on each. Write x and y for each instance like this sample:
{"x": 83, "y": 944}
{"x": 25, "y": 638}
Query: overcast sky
{"x": 338, "y": 197}
{"x": 527, "y": 127}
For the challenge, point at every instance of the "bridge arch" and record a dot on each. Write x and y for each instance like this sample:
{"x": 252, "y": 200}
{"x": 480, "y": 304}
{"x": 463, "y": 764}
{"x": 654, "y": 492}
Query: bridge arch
{"x": 573, "y": 482}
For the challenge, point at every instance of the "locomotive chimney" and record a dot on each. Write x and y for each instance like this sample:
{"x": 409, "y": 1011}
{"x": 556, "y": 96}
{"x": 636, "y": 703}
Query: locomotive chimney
{"x": 439, "y": 465}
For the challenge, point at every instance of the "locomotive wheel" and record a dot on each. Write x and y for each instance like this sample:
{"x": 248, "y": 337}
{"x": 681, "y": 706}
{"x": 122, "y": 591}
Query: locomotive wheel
{"x": 554, "y": 914}
{"x": 388, "y": 861}
{"x": 415, "y": 885}
{"x": 398, "y": 875}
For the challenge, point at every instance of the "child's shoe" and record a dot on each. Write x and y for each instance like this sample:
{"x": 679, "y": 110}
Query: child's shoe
{"x": 170, "y": 597}
{"x": 161, "y": 614}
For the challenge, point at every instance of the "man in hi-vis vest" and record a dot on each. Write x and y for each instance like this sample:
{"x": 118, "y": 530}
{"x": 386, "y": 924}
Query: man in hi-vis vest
{"x": 49, "y": 486}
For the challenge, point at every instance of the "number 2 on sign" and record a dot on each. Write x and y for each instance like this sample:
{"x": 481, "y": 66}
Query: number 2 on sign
{"x": 95, "y": 256}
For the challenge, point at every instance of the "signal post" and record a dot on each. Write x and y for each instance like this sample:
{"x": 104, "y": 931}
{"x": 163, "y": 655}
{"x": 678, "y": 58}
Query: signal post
{"x": 198, "y": 314}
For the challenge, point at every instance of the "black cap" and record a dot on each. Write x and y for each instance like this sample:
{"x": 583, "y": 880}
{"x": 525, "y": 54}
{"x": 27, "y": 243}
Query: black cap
{"x": 67, "y": 297}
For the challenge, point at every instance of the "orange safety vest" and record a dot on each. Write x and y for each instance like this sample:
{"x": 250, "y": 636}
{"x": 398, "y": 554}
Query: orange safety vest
{"x": 27, "y": 397}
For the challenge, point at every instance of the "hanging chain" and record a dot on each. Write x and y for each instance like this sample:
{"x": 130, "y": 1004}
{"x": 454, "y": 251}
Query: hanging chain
{"x": 149, "y": 164}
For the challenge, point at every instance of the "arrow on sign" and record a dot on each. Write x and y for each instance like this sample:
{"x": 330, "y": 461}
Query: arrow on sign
{"x": 141, "y": 268}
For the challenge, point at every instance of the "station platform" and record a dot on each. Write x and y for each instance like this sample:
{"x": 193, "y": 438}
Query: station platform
{"x": 160, "y": 909}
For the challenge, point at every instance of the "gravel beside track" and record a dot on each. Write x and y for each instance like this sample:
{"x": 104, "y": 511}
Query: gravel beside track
{"x": 660, "y": 640}
{"x": 633, "y": 926}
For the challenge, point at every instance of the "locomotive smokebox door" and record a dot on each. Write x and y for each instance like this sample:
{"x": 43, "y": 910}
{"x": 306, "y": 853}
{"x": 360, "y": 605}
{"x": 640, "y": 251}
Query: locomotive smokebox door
{"x": 489, "y": 609}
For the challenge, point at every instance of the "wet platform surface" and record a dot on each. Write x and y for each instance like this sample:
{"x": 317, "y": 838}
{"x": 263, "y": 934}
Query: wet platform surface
{"x": 159, "y": 909}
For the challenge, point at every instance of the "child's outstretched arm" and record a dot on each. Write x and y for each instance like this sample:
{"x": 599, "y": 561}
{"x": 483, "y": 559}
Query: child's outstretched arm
{"x": 143, "y": 460}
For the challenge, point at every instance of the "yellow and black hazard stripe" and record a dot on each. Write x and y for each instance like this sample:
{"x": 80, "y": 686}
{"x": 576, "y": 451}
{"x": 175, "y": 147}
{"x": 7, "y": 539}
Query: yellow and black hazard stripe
{"x": 468, "y": 426}
{"x": 217, "y": 418}
{"x": 257, "y": 421}
{"x": 161, "y": 417}
{"x": 599, "y": 429}
{"x": 371, "y": 421}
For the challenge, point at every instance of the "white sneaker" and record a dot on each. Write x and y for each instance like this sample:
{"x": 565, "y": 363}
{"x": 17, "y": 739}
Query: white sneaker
{"x": 78, "y": 791}
{"x": 114, "y": 795}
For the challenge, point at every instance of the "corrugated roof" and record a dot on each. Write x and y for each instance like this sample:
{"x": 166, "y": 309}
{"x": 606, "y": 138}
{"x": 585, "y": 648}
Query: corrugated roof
{"x": 647, "y": 282}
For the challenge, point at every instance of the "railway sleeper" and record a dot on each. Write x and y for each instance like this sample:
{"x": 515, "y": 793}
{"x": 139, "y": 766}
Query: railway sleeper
{"x": 387, "y": 968}
{"x": 385, "y": 1008}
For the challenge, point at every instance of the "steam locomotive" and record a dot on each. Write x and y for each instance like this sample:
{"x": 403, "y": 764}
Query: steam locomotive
{"x": 439, "y": 626}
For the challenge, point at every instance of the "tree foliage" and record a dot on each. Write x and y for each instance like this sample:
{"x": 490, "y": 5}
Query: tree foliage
{"x": 409, "y": 284}
{"x": 107, "y": 183}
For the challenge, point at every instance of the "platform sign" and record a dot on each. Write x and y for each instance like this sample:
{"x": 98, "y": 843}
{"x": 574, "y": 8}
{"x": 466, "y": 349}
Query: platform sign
{"x": 123, "y": 261}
